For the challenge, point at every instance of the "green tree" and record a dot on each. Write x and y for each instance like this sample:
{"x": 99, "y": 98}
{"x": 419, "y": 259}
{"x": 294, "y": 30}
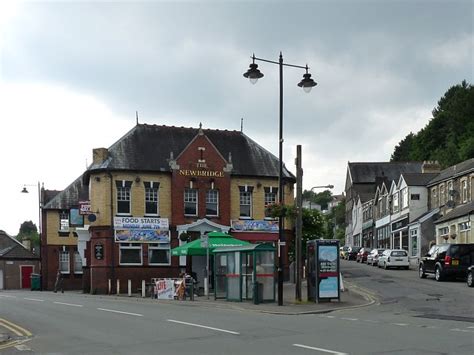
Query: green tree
{"x": 321, "y": 198}
{"x": 29, "y": 232}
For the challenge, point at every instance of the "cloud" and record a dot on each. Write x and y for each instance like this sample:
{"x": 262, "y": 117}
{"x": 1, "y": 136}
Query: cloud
{"x": 457, "y": 52}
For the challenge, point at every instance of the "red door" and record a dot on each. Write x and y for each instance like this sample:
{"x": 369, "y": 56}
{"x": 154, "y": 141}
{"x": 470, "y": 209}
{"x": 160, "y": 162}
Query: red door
{"x": 26, "y": 271}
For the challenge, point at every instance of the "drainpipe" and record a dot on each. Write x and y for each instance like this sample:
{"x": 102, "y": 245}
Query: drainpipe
{"x": 109, "y": 174}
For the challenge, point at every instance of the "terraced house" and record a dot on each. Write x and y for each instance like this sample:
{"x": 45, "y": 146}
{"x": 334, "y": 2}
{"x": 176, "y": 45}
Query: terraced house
{"x": 154, "y": 189}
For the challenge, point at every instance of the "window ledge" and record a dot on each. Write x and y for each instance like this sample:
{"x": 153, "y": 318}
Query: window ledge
{"x": 245, "y": 218}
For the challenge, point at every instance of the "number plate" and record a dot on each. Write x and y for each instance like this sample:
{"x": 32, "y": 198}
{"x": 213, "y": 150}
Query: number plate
{"x": 455, "y": 262}
{"x": 398, "y": 259}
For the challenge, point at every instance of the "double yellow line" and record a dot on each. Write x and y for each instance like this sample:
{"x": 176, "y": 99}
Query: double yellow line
{"x": 16, "y": 329}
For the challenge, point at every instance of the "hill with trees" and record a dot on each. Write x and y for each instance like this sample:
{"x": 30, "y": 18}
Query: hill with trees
{"x": 449, "y": 136}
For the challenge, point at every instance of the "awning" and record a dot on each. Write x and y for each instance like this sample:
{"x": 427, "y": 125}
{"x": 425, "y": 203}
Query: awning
{"x": 216, "y": 240}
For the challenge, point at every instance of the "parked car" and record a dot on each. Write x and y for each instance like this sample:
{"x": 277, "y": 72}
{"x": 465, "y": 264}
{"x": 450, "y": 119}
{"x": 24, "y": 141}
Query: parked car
{"x": 394, "y": 258}
{"x": 470, "y": 272}
{"x": 447, "y": 260}
{"x": 343, "y": 251}
{"x": 352, "y": 253}
{"x": 373, "y": 257}
{"x": 362, "y": 255}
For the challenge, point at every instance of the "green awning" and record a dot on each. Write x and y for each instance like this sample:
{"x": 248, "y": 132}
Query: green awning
{"x": 216, "y": 240}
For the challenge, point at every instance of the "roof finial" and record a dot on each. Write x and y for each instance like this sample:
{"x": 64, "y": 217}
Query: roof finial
{"x": 242, "y": 125}
{"x": 136, "y": 115}
{"x": 200, "y": 129}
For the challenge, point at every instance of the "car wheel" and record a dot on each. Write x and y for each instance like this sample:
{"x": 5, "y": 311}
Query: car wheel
{"x": 421, "y": 272}
{"x": 438, "y": 274}
{"x": 470, "y": 281}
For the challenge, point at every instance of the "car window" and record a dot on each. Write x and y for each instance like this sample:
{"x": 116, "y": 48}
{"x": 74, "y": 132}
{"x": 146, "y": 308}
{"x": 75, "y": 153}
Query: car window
{"x": 399, "y": 253}
{"x": 443, "y": 248}
{"x": 433, "y": 250}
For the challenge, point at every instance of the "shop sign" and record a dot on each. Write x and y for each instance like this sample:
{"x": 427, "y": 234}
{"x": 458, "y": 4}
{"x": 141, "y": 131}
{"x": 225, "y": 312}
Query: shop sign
{"x": 201, "y": 173}
{"x": 99, "y": 251}
{"x": 85, "y": 207}
{"x": 399, "y": 224}
{"x": 141, "y": 223}
{"x": 255, "y": 226}
{"x": 327, "y": 269}
{"x": 142, "y": 236}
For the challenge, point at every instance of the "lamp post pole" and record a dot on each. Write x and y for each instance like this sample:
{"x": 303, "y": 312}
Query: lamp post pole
{"x": 253, "y": 74}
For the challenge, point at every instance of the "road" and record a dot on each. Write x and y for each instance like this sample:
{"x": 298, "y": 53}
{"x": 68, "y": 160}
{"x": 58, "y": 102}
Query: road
{"x": 73, "y": 323}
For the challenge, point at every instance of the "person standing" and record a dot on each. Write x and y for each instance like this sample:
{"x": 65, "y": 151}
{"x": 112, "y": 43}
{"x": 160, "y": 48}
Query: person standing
{"x": 59, "y": 282}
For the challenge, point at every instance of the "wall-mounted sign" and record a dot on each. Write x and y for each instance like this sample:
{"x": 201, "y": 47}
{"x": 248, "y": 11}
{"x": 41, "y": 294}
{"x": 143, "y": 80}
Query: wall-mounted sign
{"x": 99, "y": 251}
{"x": 141, "y": 223}
{"x": 201, "y": 173}
{"x": 85, "y": 207}
{"x": 142, "y": 236}
{"x": 254, "y": 226}
{"x": 399, "y": 224}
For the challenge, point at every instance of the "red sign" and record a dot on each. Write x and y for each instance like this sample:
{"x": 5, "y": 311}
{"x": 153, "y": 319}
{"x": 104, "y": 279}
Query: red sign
{"x": 85, "y": 207}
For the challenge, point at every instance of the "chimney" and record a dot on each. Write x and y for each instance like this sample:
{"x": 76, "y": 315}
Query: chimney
{"x": 430, "y": 166}
{"x": 99, "y": 155}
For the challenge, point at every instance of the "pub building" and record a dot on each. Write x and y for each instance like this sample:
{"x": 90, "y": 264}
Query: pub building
{"x": 154, "y": 189}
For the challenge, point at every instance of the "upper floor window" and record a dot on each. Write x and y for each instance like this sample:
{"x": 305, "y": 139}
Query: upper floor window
{"x": 123, "y": 196}
{"x": 151, "y": 198}
{"x": 395, "y": 201}
{"x": 245, "y": 201}
{"x": 414, "y": 197}
{"x": 75, "y": 218}
{"x": 190, "y": 202}
{"x": 270, "y": 198}
{"x": 464, "y": 226}
{"x": 404, "y": 198}
{"x": 434, "y": 197}
{"x": 464, "y": 194}
{"x": 212, "y": 202}
{"x": 380, "y": 208}
{"x": 450, "y": 190}
{"x": 64, "y": 262}
{"x": 442, "y": 195}
{"x": 64, "y": 221}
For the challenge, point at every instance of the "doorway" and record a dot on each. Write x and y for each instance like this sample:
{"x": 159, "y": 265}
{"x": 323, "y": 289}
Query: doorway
{"x": 25, "y": 272}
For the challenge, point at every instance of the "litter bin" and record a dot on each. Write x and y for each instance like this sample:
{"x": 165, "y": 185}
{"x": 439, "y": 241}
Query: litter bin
{"x": 257, "y": 292}
{"x": 35, "y": 282}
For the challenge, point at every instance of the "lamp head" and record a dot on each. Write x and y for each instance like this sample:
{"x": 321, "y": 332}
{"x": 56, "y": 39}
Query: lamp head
{"x": 253, "y": 74}
{"x": 307, "y": 83}
{"x": 24, "y": 191}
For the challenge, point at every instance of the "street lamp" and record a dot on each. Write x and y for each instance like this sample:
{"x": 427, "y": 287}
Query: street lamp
{"x": 253, "y": 74}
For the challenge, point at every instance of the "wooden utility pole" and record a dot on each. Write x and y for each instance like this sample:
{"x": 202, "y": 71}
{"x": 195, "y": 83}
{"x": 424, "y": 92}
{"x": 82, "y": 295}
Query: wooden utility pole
{"x": 299, "y": 221}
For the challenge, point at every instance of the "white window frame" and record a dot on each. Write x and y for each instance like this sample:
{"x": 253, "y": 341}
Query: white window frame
{"x": 64, "y": 260}
{"x": 395, "y": 202}
{"x": 159, "y": 246}
{"x": 64, "y": 221}
{"x": 404, "y": 198}
{"x": 130, "y": 246}
{"x": 443, "y": 231}
{"x": 464, "y": 226}
{"x": 124, "y": 194}
{"x": 189, "y": 198}
{"x": 246, "y": 197}
{"x": 212, "y": 200}
{"x": 152, "y": 195}
{"x": 77, "y": 257}
{"x": 270, "y": 198}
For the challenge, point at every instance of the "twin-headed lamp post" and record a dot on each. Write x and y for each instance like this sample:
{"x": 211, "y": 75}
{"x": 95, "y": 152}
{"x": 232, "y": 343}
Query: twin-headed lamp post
{"x": 253, "y": 74}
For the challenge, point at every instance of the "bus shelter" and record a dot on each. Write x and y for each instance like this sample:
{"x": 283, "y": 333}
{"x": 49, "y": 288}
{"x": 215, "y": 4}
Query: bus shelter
{"x": 245, "y": 272}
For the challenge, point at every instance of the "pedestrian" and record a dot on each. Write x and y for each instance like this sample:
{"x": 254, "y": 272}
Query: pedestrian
{"x": 59, "y": 282}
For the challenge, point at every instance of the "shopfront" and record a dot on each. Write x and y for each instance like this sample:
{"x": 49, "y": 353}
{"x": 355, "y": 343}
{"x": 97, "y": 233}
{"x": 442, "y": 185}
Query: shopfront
{"x": 400, "y": 234}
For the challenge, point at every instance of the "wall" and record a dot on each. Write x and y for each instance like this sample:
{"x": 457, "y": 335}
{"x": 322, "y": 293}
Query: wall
{"x": 12, "y": 272}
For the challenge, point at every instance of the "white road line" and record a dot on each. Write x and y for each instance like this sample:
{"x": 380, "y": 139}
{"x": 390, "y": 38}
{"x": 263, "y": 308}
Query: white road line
{"x": 470, "y": 327}
{"x": 349, "y": 318}
{"x": 400, "y": 324}
{"x": 462, "y": 330}
{"x": 7, "y": 296}
{"x": 69, "y": 304}
{"x": 203, "y": 326}
{"x": 114, "y": 311}
{"x": 33, "y": 299}
{"x": 370, "y": 321}
{"x": 319, "y": 349}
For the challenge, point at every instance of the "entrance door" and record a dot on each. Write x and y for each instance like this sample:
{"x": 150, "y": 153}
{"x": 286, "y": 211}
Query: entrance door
{"x": 26, "y": 271}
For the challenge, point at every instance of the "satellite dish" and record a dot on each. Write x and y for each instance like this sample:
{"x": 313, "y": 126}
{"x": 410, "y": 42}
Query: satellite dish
{"x": 91, "y": 217}
{"x": 450, "y": 204}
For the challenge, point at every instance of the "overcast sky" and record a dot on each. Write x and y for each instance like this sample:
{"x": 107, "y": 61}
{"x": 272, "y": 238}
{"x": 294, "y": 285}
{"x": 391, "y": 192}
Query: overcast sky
{"x": 72, "y": 75}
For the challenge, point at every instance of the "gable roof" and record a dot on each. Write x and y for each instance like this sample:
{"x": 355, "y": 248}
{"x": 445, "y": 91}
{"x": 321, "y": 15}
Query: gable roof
{"x": 148, "y": 147}
{"x": 368, "y": 172}
{"x": 13, "y": 249}
{"x": 460, "y": 211}
{"x": 69, "y": 197}
{"x": 454, "y": 171}
{"x": 418, "y": 179}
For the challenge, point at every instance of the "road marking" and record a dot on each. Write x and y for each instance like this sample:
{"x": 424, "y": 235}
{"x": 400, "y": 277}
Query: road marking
{"x": 14, "y": 330}
{"x": 7, "y": 296}
{"x": 22, "y": 347}
{"x": 319, "y": 349}
{"x": 33, "y": 299}
{"x": 69, "y": 304}
{"x": 203, "y": 326}
{"x": 23, "y": 330}
{"x": 400, "y": 324}
{"x": 349, "y": 318}
{"x": 121, "y": 312}
{"x": 470, "y": 327}
{"x": 462, "y": 330}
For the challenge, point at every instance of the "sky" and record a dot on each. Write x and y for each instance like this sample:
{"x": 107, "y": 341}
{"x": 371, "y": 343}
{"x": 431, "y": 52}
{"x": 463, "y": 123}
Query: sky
{"x": 74, "y": 73}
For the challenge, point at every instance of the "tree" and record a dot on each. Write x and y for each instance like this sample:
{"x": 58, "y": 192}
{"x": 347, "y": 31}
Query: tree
{"x": 29, "y": 232}
{"x": 322, "y": 198}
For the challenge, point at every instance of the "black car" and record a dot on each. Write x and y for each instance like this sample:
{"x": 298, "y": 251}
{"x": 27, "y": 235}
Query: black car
{"x": 447, "y": 260}
{"x": 352, "y": 253}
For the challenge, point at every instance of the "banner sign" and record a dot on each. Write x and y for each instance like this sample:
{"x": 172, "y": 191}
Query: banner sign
{"x": 255, "y": 226}
{"x": 142, "y": 236}
{"x": 165, "y": 289}
{"x": 327, "y": 269}
{"x": 141, "y": 223}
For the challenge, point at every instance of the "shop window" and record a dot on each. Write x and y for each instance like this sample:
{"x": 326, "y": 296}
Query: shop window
{"x": 245, "y": 201}
{"x": 77, "y": 263}
{"x": 159, "y": 254}
{"x": 75, "y": 218}
{"x": 212, "y": 202}
{"x": 190, "y": 202}
{"x": 123, "y": 196}
{"x": 64, "y": 262}
{"x": 270, "y": 199}
{"x": 151, "y": 198}
{"x": 64, "y": 222}
{"x": 414, "y": 241}
{"x": 131, "y": 254}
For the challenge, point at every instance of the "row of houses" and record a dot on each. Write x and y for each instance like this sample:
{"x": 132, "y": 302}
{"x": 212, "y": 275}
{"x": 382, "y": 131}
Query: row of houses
{"x": 409, "y": 205}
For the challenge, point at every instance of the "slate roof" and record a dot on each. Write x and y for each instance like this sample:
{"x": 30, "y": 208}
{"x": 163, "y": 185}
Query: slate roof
{"x": 460, "y": 211}
{"x": 367, "y": 172}
{"x": 454, "y": 171}
{"x": 69, "y": 197}
{"x": 419, "y": 179}
{"x": 147, "y": 148}
{"x": 12, "y": 249}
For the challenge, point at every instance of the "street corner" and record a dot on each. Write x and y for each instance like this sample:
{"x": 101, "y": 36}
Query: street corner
{"x": 13, "y": 335}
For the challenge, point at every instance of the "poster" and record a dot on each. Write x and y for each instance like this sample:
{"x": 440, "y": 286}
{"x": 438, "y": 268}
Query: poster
{"x": 327, "y": 265}
{"x": 164, "y": 289}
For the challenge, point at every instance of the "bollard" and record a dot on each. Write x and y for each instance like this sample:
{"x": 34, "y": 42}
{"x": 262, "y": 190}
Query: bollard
{"x": 143, "y": 289}
{"x": 118, "y": 287}
{"x": 129, "y": 288}
{"x": 110, "y": 286}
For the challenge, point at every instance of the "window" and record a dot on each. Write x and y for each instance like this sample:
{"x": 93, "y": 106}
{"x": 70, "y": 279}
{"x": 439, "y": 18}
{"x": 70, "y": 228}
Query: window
{"x": 245, "y": 201}
{"x": 464, "y": 190}
{"x": 77, "y": 263}
{"x": 450, "y": 190}
{"x": 270, "y": 198}
{"x": 404, "y": 198}
{"x": 64, "y": 262}
{"x": 212, "y": 202}
{"x": 190, "y": 202}
{"x": 442, "y": 195}
{"x": 414, "y": 241}
{"x": 414, "y": 197}
{"x": 64, "y": 221}
{"x": 434, "y": 197}
{"x": 76, "y": 219}
{"x": 131, "y": 254}
{"x": 151, "y": 198}
{"x": 464, "y": 226}
{"x": 123, "y": 196}
{"x": 395, "y": 202}
{"x": 159, "y": 254}
{"x": 443, "y": 231}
